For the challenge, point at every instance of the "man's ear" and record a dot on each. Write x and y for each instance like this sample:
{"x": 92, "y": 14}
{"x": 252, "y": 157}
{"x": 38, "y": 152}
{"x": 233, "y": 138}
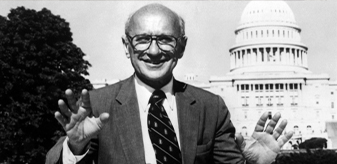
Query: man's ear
{"x": 181, "y": 47}
{"x": 126, "y": 44}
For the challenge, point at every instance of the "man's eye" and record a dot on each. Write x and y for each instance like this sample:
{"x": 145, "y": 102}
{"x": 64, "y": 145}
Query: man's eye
{"x": 165, "y": 39}
{"x": 142, "y": 39}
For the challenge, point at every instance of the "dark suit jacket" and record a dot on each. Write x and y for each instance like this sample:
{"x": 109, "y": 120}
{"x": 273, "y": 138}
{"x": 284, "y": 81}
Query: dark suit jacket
{"x": 206, "y": 132}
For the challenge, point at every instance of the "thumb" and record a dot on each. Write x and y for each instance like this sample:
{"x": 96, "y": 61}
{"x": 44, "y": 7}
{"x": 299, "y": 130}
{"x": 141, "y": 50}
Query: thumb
{"x": 103, "y": 118}
{"x": 240, "y": 141}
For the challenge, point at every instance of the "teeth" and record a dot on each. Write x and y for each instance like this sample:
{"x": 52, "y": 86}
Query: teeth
{"x": 153, "y": 62}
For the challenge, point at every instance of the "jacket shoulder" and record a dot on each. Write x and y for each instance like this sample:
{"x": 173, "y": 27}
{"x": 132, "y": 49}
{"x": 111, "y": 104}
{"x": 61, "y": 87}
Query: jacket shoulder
{"x": 200, "y": 93}
{"x": 101, "y": 99}
{"x": 197, "y": 93}
{"x": 109, "y": 90}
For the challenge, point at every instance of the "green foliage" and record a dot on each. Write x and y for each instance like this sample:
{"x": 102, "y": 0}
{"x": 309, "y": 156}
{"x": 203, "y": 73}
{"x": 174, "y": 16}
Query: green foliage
{"x": 38, "y": 61}
{"x": 319, "y": 156}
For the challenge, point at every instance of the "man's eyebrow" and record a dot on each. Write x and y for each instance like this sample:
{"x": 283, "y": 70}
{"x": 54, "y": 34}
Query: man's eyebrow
{"x": 161, "y": 34}
{"x": 143, "y": 34}
{"x": 138, "y": 34}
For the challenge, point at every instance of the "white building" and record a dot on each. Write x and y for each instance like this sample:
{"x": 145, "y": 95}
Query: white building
{"x": 269, "y": 72}
{"x": 103, "y": 82}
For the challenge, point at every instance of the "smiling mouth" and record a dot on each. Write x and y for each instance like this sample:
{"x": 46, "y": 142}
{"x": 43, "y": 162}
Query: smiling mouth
{"x": 155, "y": 62}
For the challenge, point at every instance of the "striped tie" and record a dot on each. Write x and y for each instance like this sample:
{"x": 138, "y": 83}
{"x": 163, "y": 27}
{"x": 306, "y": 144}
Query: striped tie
{"x": 161, "y": 131}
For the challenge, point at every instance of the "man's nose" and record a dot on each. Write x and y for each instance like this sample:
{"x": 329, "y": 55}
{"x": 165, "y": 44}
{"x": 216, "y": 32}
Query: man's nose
{"x": 154, "y": 49}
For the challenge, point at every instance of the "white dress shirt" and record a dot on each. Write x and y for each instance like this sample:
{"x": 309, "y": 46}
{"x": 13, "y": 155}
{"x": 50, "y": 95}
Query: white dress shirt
{"x": 144, "y": 93}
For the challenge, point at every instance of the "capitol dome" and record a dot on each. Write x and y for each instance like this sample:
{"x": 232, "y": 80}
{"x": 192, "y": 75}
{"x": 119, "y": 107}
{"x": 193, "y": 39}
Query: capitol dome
{"x": 268, "y": 40}
{"x": 258, "y": 13}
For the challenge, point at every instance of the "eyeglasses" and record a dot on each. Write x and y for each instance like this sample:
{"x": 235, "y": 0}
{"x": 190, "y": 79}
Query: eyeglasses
{"x": 143, "y": 42}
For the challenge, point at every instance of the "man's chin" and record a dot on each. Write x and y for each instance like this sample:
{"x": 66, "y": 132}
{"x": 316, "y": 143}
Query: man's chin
{"x": 157, "y": 78}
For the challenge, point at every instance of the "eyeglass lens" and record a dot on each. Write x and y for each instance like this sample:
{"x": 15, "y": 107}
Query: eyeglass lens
{"x": 164, "y": 42}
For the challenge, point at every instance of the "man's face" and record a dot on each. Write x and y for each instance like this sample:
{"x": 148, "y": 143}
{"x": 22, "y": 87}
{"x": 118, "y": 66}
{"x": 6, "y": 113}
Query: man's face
{"x": 154, "y": 65}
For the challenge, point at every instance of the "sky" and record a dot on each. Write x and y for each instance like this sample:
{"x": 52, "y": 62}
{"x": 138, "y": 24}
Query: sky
{"x": 98, "y": 26}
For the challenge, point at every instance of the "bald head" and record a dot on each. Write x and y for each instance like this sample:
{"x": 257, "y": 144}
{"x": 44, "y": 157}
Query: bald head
{"x": 159, "y": 11}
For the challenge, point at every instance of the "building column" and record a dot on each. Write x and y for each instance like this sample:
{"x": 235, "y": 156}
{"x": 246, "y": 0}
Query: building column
{"x": 255, "y": 56}
{"x": 286, "y": 87}
{"x": 296, "y": 58}
{"x": 282, "y": 54}
{"x": 302, "y": 63}
{"x": 292, "y": 51}
{"x": 286, "y": 94}
{"x": 244, "y": 53}
{"x": 301, "y": 57}
{"x": 277, "y": 55}
{"x": 248, "y": 56}
{"x": 252, "y": 57}
{"x": 259, "y": 56}
{"x": 265, "y": 55}
{"x": 268, "y": 54}
{"x": 291, "y": 56}
{"x": 287, "y": 56}
{"x": 239, "y": 58}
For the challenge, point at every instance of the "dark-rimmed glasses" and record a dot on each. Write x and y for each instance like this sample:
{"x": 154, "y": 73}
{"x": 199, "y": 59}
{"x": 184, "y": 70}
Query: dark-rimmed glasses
{"x": 143, "y": 42}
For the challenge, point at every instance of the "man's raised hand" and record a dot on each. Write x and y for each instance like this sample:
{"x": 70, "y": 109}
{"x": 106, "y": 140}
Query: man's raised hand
{"x": 76, "y": 121}
{"x": 265, "y": 143}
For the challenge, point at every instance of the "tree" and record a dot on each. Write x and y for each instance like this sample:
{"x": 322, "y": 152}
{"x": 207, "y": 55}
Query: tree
{"x": 38, "y": 61}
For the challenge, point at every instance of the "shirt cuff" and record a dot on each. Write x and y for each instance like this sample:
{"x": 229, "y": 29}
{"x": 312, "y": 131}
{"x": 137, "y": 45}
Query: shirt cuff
{"x": 68, "y": 157}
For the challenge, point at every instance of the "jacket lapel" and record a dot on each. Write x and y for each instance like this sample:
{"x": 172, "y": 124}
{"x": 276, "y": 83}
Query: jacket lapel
{"x": 188, "y": 119}
{"x": 128, "y": 123}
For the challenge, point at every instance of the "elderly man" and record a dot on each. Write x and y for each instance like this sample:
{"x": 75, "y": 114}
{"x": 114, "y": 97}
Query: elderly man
{"x": 153, "y": 118}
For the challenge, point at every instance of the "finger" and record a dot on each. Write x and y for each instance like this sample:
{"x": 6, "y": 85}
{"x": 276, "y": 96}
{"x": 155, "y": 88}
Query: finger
{"x": 239, "y": 140}
{"x": 60, "y": 119}
{"x": 278, "y": 131}
{"x": 285, "y": 138}
{"x": 85, "y": 97}
{"x": 64, "y": 109}
{"x": 81, "y": 115}
{"x": 103, "y": 118}
{"x": 77, "y": 118}
{"x": 272, "y": 123}
{"x": 262, "y": 121}
{"x": 71, "y": 100}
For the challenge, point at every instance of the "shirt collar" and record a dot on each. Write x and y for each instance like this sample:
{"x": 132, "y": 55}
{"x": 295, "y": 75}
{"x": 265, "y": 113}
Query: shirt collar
{"x": 144, "y": 92}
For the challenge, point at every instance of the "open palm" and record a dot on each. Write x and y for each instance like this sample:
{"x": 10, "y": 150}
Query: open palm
{"x": 76, "y": 120}
{"x": 265, "y": 143}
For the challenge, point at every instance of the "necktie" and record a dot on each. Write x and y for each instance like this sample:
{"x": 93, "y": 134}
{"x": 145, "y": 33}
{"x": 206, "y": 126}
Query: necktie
{"x": 161, "y": 131}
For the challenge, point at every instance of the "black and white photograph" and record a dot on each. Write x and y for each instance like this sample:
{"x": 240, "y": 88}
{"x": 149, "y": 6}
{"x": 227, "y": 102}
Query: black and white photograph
{"x": 168, "y": 82}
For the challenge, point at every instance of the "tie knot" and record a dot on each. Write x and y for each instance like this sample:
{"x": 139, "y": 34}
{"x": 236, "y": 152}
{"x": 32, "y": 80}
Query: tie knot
{"x": 157, "y": 95}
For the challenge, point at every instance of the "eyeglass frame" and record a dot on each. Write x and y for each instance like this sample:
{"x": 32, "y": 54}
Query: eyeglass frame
{"x": 153, "y": 37}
